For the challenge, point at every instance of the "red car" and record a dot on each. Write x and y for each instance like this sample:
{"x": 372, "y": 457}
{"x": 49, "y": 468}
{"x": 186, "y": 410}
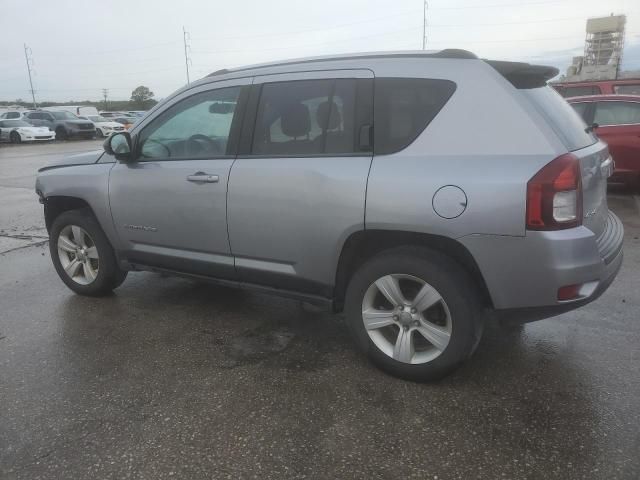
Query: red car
{"x": 618, "y": 123}
{"x": 622, "y": 86}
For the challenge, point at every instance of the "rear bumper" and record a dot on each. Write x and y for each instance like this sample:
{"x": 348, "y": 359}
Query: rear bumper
{"x": 532, "y": 314}
{"x": 523, "y": 274}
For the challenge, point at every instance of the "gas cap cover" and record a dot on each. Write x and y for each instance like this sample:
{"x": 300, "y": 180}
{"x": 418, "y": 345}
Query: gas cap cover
{"x": 449, "y": 201}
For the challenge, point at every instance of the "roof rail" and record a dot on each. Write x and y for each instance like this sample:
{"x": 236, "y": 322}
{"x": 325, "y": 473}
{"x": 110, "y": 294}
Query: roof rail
{"x": 446, "y": 53}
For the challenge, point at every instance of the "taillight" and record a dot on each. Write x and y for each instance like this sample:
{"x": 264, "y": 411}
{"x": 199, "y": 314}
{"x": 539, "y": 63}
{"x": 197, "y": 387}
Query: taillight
{"x": 554, "y": 195}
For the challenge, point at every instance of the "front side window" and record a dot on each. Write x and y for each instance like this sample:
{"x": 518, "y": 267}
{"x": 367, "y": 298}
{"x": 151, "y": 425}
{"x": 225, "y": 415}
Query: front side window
{"x": 196, "y": 127}
{"x": 306, "y": 117}
{"x": 629, "y": 89}
{"x": 617, "y": 113}
{"x": 13, "y": 115}
{"x": 64, "y": 116}
{"x": 404, "y": 107}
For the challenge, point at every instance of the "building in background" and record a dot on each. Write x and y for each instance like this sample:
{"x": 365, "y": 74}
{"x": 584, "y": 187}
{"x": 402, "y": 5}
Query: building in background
{"x": 603, "y": 49}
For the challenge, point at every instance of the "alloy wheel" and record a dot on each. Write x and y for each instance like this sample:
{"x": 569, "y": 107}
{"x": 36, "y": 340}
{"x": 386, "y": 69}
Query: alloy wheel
{"x": 78, "y": 254}
{"x": 406, "y": 318}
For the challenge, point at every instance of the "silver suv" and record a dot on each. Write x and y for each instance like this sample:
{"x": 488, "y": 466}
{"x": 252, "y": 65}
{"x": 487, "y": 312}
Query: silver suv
{"x": 417, "y": 192}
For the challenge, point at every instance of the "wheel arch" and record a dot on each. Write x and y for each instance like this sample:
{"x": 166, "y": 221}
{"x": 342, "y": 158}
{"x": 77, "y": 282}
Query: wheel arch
{"x": 58, "y": 204}
{"x": 364, "y": 244}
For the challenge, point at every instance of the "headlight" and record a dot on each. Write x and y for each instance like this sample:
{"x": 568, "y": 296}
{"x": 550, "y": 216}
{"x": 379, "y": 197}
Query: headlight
{"x": 107, "y": 127}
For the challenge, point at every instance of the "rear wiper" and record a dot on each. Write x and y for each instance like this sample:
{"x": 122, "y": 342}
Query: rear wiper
{"x": 591, "y": 128}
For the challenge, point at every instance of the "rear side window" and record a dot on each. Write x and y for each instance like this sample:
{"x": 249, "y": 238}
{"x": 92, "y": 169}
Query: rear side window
{"x": 580, "y": 91}
{"x": 13, "y": 115}
{"x": 633, "y": 89}
{"x": 404, "y": 107}
{"x": 306, "y": 117}
{"x": 563, "y": 119}
{"x": 617, "y": 113}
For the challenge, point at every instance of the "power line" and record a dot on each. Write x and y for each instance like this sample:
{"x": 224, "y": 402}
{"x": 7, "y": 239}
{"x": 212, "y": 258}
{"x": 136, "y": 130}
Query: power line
{"x": 28, "y": 56}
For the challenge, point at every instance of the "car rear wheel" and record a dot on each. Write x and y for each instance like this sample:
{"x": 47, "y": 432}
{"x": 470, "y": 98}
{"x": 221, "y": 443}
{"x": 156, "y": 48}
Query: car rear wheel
{"x": 82, "y": 254}
{"x": 15, "y": 137}
{"x": 415, "y": 313}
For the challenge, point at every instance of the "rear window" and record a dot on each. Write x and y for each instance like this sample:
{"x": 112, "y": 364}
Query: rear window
{"x": 563, "y": 119}
{"x": 579, "y": 91}
{"x": 633, "y": 89}
{"x": 403, "y": 109}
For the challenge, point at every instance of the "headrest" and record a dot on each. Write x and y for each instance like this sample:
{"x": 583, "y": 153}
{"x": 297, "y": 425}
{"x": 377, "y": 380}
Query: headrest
{"x": 329, "y": 115}
{"x": 295, "y": 120}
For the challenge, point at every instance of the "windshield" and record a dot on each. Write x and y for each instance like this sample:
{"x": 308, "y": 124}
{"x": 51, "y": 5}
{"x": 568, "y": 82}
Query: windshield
{"x": 64, "y": 115}
{"x": 563, "y": 119}
{"x": 97, "y": 118}
{"x": 15, "y": 123}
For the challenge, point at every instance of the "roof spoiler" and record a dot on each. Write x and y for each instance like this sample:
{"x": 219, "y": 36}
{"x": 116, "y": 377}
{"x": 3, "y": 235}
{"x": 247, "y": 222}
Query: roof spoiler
{"x": 524, "y": 75}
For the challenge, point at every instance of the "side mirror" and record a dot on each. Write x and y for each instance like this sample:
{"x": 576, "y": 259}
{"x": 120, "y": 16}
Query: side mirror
{"x": 119, "y": 145}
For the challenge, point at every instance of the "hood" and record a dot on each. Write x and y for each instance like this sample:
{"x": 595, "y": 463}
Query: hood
{"x": 33, "y": 129}
{"x": 85, "y": 158}
{"x": 77, "y": 122}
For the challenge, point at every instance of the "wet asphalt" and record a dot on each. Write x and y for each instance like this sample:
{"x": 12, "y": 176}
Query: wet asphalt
{"x": 170, "y": 378}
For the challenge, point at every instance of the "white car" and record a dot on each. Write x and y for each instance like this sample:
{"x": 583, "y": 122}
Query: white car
{"x": 104, "y": 126}
{"x": 17, "y": 131}
{"x": 14, "y": 114}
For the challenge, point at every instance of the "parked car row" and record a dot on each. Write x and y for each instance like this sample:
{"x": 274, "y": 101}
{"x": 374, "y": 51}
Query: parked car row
{"x": 62, "y": 124}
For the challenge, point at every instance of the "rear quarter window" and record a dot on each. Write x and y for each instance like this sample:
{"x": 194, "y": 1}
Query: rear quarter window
{"x": 564, "y": 120}
{"x": 404, "y": 107}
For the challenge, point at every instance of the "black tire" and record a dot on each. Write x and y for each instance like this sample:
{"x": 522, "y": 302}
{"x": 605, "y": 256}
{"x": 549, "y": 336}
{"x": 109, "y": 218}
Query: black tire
{"x": 61, "y": 133}
{"x": 456, "y": 288}
{"x": 109, "y": 276}
{"x": 15, "y": 137}
{"x": 99, "y": 133}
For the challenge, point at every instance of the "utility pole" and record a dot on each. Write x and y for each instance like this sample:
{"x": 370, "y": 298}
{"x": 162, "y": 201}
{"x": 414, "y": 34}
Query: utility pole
{"x": 28, "y": 56}
{"x": 424, "y": 24}
{"x": 186, "y": 37}
{"x": 105, "y": 94}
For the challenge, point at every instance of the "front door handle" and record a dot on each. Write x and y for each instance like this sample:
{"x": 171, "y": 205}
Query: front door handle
{"x": 201, "y": 177}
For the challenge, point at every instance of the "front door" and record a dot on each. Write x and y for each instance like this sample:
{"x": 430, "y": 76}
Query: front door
{"x": 169, "y": 205}
{"x": 298, "y": 191}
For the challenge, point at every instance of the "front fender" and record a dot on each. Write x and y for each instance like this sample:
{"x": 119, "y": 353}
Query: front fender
{"x": 89, "y": 183}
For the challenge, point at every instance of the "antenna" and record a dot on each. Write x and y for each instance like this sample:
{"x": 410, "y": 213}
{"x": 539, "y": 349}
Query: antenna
{"x": 425, "y": 6}
{"x": 28, "y": 56}
{"x": 187, "y": 60}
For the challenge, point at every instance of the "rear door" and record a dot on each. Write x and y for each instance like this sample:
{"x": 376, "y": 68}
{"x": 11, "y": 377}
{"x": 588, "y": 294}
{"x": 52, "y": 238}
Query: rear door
{"x": 297, "y": 189}
{"x": 619, "y": 125}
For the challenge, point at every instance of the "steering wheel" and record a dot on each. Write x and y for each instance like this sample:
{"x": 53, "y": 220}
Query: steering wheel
{"x": 199, "y": 139}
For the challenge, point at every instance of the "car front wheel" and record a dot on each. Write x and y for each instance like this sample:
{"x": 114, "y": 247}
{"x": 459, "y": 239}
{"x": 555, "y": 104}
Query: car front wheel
{"x": 15, "y": 137}
{"x": 415, "y": 313}
{"x": 82, "y": 254}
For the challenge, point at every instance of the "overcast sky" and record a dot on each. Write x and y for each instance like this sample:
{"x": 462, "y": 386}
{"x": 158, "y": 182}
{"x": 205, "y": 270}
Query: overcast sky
{"x": 82, "y": 46}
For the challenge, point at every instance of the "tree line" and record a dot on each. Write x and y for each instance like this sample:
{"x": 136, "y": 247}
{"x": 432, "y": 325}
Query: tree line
{"x": 141, "y": 99}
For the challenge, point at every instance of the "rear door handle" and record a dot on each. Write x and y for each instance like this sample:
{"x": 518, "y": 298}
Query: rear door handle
{"x": 201, "y": 177}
